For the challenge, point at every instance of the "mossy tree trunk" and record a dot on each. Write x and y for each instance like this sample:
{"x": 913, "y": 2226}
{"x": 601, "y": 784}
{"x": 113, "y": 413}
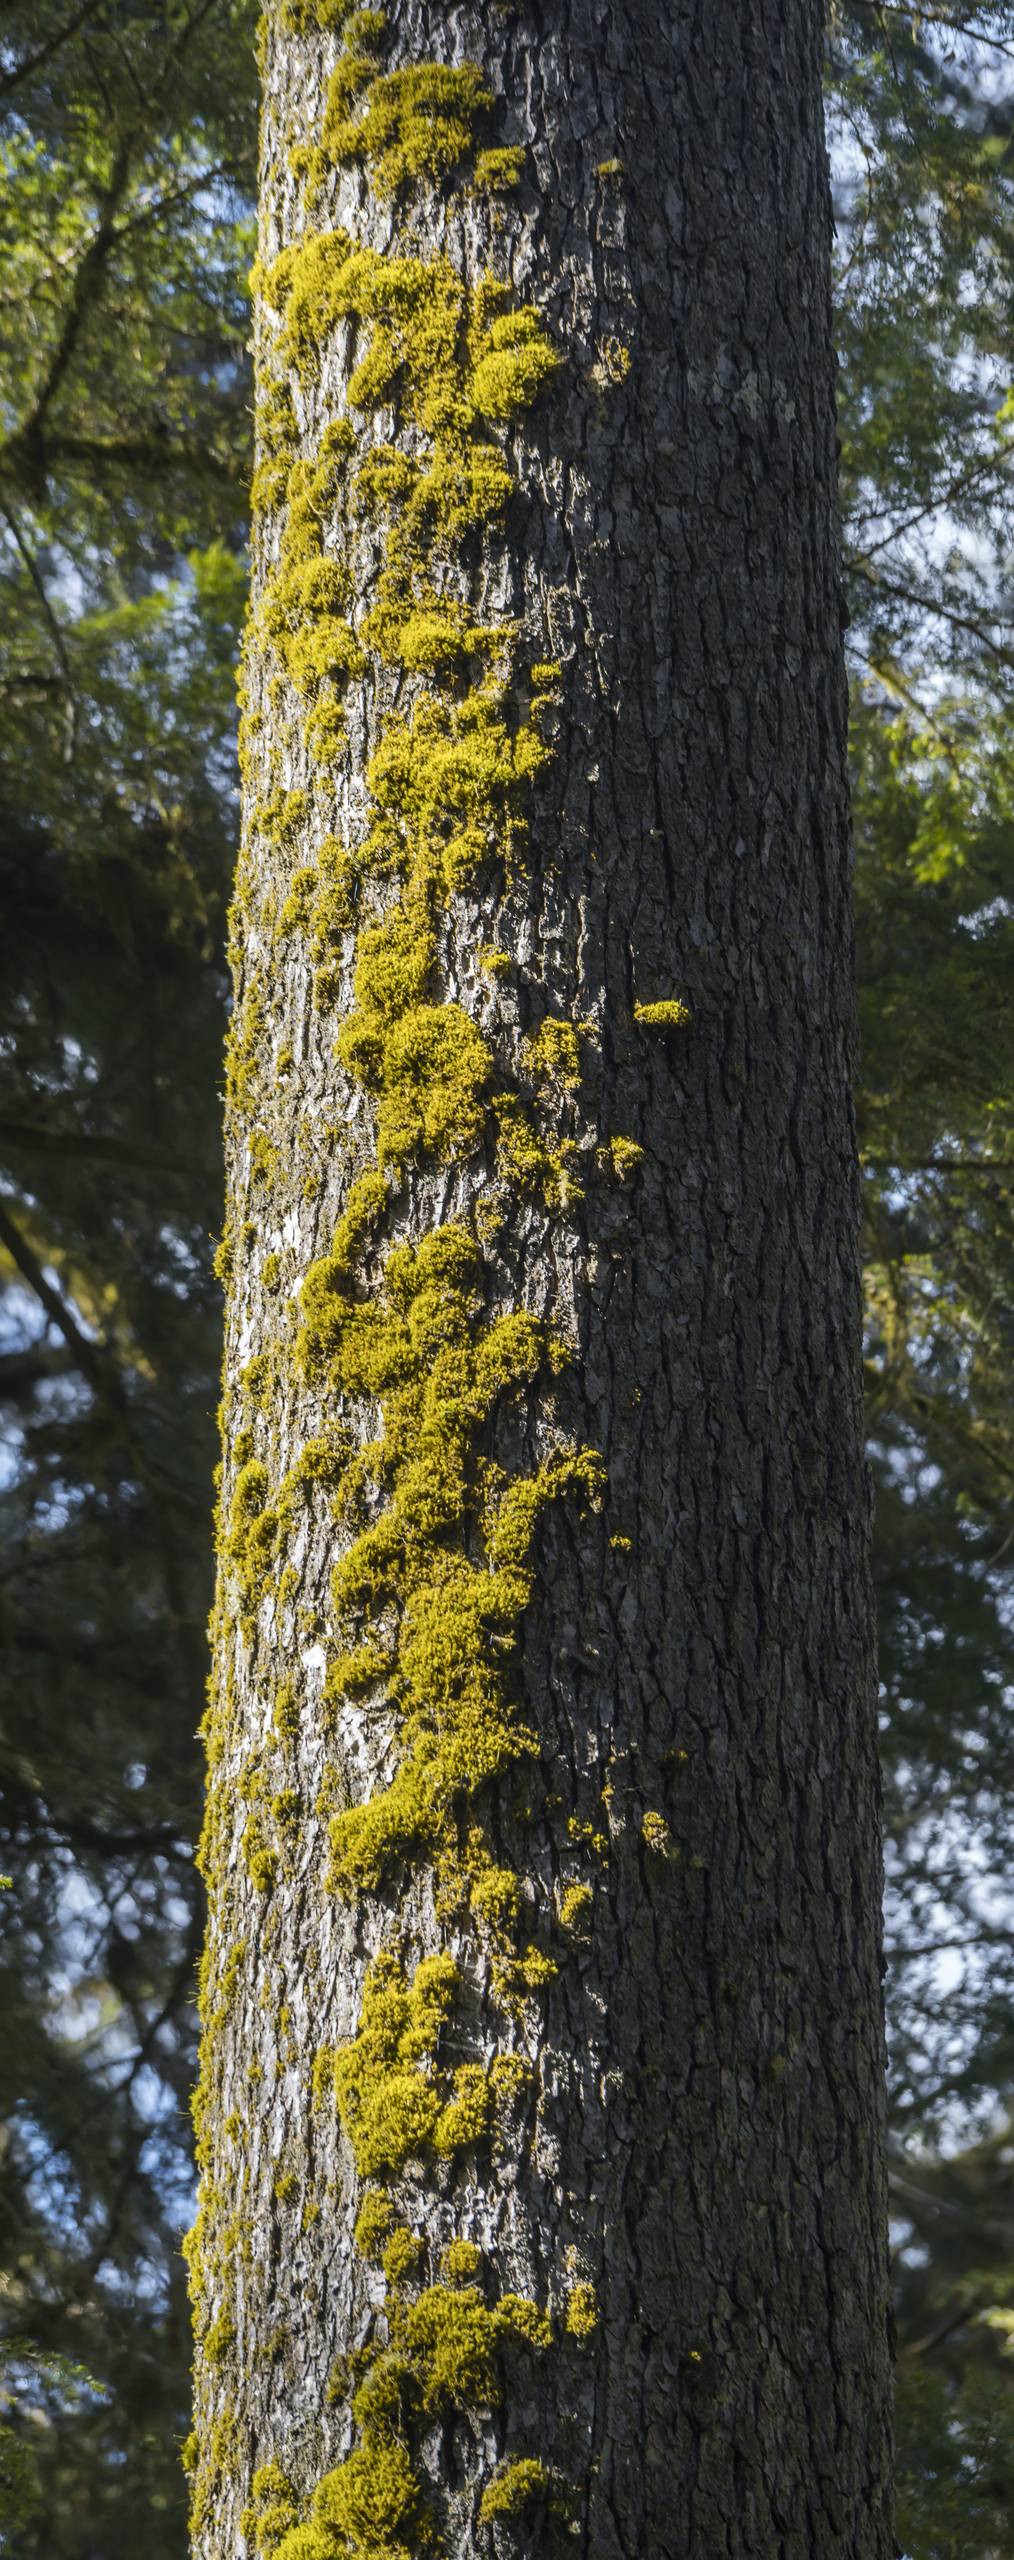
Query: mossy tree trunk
{"x": 540, "y": 2115}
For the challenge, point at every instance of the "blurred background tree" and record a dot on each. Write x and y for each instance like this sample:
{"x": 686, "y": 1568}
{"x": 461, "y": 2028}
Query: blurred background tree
{"x": 128, "y": 138}
{"x": 921, "y": 105}
{"x": 128, "y": 135}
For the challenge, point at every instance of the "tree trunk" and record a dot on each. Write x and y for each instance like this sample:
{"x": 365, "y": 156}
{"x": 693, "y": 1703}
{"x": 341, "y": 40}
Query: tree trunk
{"x": 540, "y": 2115}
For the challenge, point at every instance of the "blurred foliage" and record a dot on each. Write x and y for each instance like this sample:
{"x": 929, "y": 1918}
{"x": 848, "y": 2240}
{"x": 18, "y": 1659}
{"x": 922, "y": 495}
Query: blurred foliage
{"x": 127, "y": 139}
{"x": 921, "y": 117}
{"x": 127, "y": 143}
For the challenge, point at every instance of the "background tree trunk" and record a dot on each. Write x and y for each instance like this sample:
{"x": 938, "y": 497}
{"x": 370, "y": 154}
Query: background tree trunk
{"x": 674, "y": 2338}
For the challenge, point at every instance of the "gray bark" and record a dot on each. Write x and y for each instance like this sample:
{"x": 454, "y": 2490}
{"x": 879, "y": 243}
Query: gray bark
{"x": 705, "y": 2143}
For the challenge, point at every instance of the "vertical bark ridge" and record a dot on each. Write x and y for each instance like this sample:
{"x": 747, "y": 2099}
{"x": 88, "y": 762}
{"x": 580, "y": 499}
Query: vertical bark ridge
{"x": 540, "y": 2097}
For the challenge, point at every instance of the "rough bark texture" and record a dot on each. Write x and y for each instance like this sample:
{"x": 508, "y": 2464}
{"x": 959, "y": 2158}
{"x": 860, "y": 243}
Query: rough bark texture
{"x": 689, "y": 2181}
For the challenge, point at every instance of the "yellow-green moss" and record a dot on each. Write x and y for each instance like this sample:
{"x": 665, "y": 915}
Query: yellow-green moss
{"x": 260, "y": 1858}
{"x": 437, "y": 1542}
{"x": 496, "y": 1898}
{"x": 430, "y": 1070}
{"x": 458, "y": 2342}
{"x": 402, "y": 2257}
{"x": 622, "y": 1156}
{"x": 581, "y": 2317}
{"x": 576, "y": 1906}
{"x": 462, "y": 2261}
{"x": 272, "y": 2511}
{"x": 514, "y": 364}
{"x": 302, "y": 17}
{"x": 218, "y": 2337}
{"x": 374, "y": 2223}
{"x": 669, "y": 1014}
{"x": 444, "y": 2353}
{"x": 394, "y": 2100}
{"x": 495, "y": 172}
{"x": 553, "y": 1052}
{"x": 528, "y": 1162}
{"x": 370, "y": 2508}
{"x": 513, "y": 2491}
{"x": 510, "y": 2078}
{"x": 421, "y": 1348}
{"x": 418, "y": 122}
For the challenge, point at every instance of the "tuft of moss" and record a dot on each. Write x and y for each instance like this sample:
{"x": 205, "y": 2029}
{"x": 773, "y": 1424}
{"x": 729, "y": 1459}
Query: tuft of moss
{"x": 669, "y": 1014}
{"x": 576, "y": 1906}
{"x": 417, "y": 123}
{"x": 581, "y": 2318}
{"x": 514, "y": 2490}
{"x": 273, "y": 2509}
{"x": 402, "y": 2257}
{"x": 497, "y": 171}
{"x": 621, "y": 1156}
{"x": 393, "y": 2100}
{"x": 514, "y": 364}
{"x": 553, "y": 1052}
{"x": 374, "y": 2223}
{"x": 370, "y": 2508}
{"x": 462, "y": 2261}
{"x": 305, "y": 17}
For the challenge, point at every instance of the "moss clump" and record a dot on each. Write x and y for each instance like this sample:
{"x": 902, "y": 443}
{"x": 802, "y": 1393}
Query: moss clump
{"x": 510, "y": 2078}
{"x": 528, "y": 1163}
{"x": 273, "y": 2509}
{"x": 576, "y": 1906}
{"x": 314, "y": 642}
{"x": 496, "y": 172}
{"x": 449, "y": 788}
{"x": 423, "y": 1351}
{"x": 622, "y": 1156}
{"x": 303, "y": 17}
{"x": 456, "y": 2343}
{"x": 450, "y": 1667}
{"x": 402, "y": 2257}
{"x": 515, "y": 363}
{"x": 421, "y": 315}
{"x": 259, "y": 1857}
{"x": 669, "y": 1014}
{"x": 219, "y": 2337}
{"x": 468, "y": 2114}
{"x": 394, "y": 2100}
{"x": 303, "y": 611}
{"x": 581, "y": 2318}
{"x": 418, "y": 123}
{"x": 430, "y": 1070}
{"x": 462, "y": 2261}
{"x": 553, "y": 1052}
{"x": 370, "y": 2508}
{"x": 443, "y": 2354}
{"x": 258, "y": 1527}
{"x": 513, "y": 2491}
{"x": 496, "y": 1898}
{"x": 374, "y": 2223}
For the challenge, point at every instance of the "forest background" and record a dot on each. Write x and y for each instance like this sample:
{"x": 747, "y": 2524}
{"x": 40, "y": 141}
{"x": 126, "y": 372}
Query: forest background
{"x": 127, "y": 169}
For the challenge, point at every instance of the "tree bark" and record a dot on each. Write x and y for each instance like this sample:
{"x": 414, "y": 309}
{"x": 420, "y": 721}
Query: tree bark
{"x": 649, "y": 1870}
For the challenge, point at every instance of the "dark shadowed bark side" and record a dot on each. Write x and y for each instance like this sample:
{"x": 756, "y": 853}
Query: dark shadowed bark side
{"x": 543, "y": 1640}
